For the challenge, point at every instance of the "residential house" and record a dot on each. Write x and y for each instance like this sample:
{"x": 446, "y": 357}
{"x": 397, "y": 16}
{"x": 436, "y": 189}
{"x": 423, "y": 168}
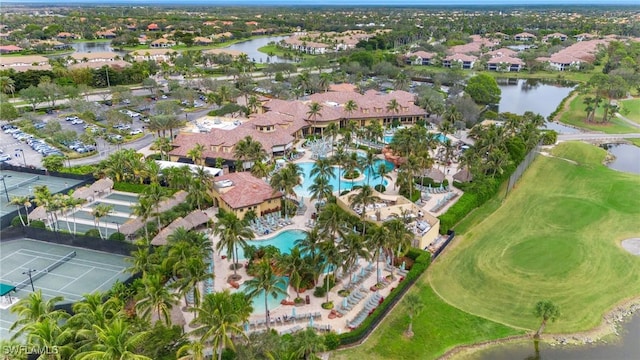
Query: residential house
{"x": 202, "y": 41}
{"x": 24, "y": 63}
{"x": 67, "y": 35}
{"x": 420, "y": 58}
{"x": 9, "y": 49}
{"x": 550, "y": 37}
{"x": 505, "y": 63}
{"x": 162, "y": 43}
{"x": 157, "y": 55}
{"x": 574, "y": 55}
{"x": 524, "y": 36}
{"x": 153, "y": 27}
{"x": 466, "y": 62}
{"x": 106, "y": 34}
{"x": 97, "y": 60}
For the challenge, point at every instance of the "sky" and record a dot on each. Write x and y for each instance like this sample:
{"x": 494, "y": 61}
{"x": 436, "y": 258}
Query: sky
{"x": 339, "y": 2}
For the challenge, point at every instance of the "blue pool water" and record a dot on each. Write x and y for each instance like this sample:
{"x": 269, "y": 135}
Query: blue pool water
{"x": 284, "y": 241}
{"x": 303, "y": 190}
{"x": 258, "y": 301}
{"x": 440, "y": 137}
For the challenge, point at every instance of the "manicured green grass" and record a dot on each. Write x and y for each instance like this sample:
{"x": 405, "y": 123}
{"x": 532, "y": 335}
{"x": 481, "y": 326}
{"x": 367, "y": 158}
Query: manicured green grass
{"x": 635, "y": 141}
{"x": 438, "y": 328}
{"x": 556, "y": 237}
{"x": 576, "y": 115}
{"x": 632, "y": 109}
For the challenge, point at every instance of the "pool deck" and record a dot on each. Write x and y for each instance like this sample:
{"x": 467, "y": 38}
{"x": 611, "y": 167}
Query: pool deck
{"x": 300, "y": 222}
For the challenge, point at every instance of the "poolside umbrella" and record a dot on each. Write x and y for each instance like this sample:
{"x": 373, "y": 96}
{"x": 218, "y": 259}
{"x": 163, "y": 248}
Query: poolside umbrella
{"x": 379, "y": 274}
{"x": 311, "y": 321}
{"x": 344, "y": 303}
{"x": 403, "y": 265}
{"x": 362, "y": 272}
{"x": 293, "y": 312}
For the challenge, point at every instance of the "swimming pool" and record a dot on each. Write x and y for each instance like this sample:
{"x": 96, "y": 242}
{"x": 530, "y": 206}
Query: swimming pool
{"x": 371, "y": 174}
{"x": 258, "y": 301}
{"x": 284, "y": 241}
{"x": 440, "y": 137}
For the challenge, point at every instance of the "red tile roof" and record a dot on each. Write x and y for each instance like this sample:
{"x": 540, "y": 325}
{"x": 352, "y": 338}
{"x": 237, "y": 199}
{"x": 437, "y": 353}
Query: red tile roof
{"x": 247, "y": 190}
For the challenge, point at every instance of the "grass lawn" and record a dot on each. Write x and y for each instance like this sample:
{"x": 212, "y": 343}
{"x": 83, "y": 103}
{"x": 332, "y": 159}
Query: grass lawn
{"x": 555, "y": 237}
{"x": 438, "y": 328}
{"x": 633, "y": 108}
{"x": 576, "y": 114}
{"x": 635, "y": 141}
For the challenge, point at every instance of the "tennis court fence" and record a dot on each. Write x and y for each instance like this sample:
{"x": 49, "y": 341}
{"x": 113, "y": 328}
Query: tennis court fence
{"x": 20, "y": 184}
{"x": 37, "y": 275}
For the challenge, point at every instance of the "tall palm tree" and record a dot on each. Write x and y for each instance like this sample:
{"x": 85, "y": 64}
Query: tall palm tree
{"x": 48, "y": 334}
{"x": 163, "y": 145}
{"x": 157, "y": 299}
{"x": 308, "y": 343}
{"x": 248, "y": 151}
{"x": 233, "y": 232}
{"x": 195, "y": 154}
{"x": 315, "y": 110}
{"x": 261, "y": 169}
{"x": 34, "y": 308}
{"x": 364, "y": 197}
{"x": 286, "y": 181}
{"x": 22, "y": 201}
{"x": 100, "y": 211}
{"x": 42, "y": 197}
{"x": 323, "y": 168}
{"x": 350, "y": 106}
{"x": 93, "y": 310}
{"x": 338, "y": 158}
{"x": 253, "y": 104}
{"x": 393, "y": 106}
{"x": 383, "y": 172}
{"x": 265, "y": 281}
{"x": 351, "y": 248}
{"x": 116, "y": 340}
{"x": 192, "y": 272}
{"x": 7, "y": 85}
{"x": 400, "y": 237}
{"x": 332, "y": 130}
{"x": 143, "y": 210}
{"x": 294, "y": 266}
{"x": 320, "y": 189}
{"x": 219, "y": 319}
{"x": 414, "y": 307}
{"x": 377, "y": 241}
{"x": 154, "y": 194}
{"x": 367, "y": 162}
{"x": 199, "y": 188}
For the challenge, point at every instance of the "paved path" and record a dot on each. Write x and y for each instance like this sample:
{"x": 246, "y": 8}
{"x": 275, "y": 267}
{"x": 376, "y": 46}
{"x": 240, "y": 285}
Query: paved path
{"x": 628, "y": 121}
{"x": 596, "y": 136}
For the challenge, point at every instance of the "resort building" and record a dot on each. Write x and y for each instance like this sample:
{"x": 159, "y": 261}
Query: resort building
{"x": 574, "y": 55}
{"x": 282, "y": 122}
{"x": 424, "y": 226}
{"x": 162, "y": 43}
{"x": 524, "y": 36}
{"x": 24, "y": 63}
{"x": 8, "y": 49}
{"x": 157, "y": 55}
{"x": 242, "y": 192}
{"x": 465, "y": 62}
{"x": 420, "y": 58}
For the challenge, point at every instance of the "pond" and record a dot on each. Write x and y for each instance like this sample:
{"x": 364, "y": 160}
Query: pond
{"x": 626, "y": 347}
{"x": 93, "y": 47}
{"x": 250, "y": 47}
{"x": 627, "y": 157}
{"x": 541, "y": 97}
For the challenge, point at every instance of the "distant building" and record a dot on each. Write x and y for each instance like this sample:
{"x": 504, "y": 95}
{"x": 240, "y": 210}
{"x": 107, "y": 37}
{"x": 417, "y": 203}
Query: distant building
{"x": 524, "y": 36}
{"x": 162, "y": 43}
{"x": 9, "y": 49}
{"x": 420, "y": 58}
{"x": 466, "y": 61}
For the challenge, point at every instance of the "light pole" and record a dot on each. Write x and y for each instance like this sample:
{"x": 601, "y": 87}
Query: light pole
{"x": 29, "y": 272}
{"x": 23, "y": 158}
{"x": 6, "y": 193}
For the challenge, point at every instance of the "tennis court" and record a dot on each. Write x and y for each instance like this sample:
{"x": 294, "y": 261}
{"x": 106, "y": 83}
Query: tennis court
{"x": 56, "y": 270}
{"x": 22, "y": 184}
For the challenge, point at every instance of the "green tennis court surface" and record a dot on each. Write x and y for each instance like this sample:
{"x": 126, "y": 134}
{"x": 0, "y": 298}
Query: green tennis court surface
{"x": 86, "y": 272}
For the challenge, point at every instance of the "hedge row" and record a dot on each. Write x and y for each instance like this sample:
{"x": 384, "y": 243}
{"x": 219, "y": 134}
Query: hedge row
{"x": 130, "y": 187}
{"x": 422, "y": 261}
{"x": 467, "y": 202}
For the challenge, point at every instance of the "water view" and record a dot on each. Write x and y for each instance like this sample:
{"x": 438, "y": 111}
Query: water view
{"x": 520, "y": 96}
{"x": 250, "y": 47}
{"x": 623, "y": 348}
{"x": 627, "y": 157}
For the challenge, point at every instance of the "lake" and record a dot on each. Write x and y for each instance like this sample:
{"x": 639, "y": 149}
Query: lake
{"x": 92, "y": 46}
{"x": 250, "y": 47}
{"x": 627, "y": 157}
{"x": 541, "y": 97}
{"x": 623, "y": 348}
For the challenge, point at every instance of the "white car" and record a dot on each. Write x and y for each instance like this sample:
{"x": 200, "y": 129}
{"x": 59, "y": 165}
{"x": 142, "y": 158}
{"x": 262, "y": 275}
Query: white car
{"x": 77, "y": 121}
{"x": 135, "y": 132}
{"x": 71, "y": 118}
{"x": 4, "y": 158}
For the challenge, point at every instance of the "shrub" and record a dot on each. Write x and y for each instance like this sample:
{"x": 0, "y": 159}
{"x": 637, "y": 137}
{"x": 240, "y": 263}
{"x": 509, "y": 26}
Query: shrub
{"x": 79, "y": 169}
{"x": 39, "y": 224}
{"x": 549, "y": 137}
{"x": 16, "y": 222}
{"x": 331, "y": 341}
{"x": 467, "y": 202}
{"x": 129, "y": 187}
{"x": 92, "y": 233}
{"x": 319, "y": 292}
{"x": 380, "y": 188}
{"x": 117, "y": 236}
{"x": 327, "y": 305}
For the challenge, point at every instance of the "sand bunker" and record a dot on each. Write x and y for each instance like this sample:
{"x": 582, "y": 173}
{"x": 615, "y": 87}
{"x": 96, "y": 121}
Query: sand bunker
{"x": 632, "y": 245}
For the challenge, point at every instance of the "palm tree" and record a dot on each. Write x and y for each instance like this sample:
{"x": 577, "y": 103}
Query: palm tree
{"x": 399, "y": 236}
{"x": 308, "y": 343}
{"x": 48, "y": 334}
{"x": 352, "y": 248}
{"x": 323, "y": 168}
{"x": 199, "y": 188}
{"x": 7, "y": 85}
{"x": 158, "y": 299}
{"x": 43, "y": 197}
{"x": 350, "y": 166}
{"x": 383, "y": 172}
{"x": 219, "y": 319}
{"x": 332, "y": 130}
{"x": 364, "y": 197}
{"x": 320, "y": 189}
{"x": 93, "y": 310}
{"x": 546, "y": 310}
{"x": 192, "y": 272}
{"x": 193, "y": 350}
{"x": 378, "y": 240}
{"x": 393, "y": 106}
{"x": 402, "y": 81}
{"x": 24, "y": 201}
{"x": 163, "y": 145}
{"x": 367, "y": 162}
{"x": 154, "y": 194}
{"x": 115, "y": 341}
{"x": 233, "y": 232}
{"x": 98, "y": 212}
{"x": 248, "y": 150}
{"x": 265, "y": 281}
{"x": 350, "y": 106}
{"x": 143, "y": 210}
{"x": 34, "y": 308}
{"x": 253, "y": 104}
{"x": 414, "y": 307}
{"x": 338, "y": 158}
{"x": 195, "y": 153}
{"x": 315, "y": 110}
{"x": 261, "y": 169}
{"x": 293, "y": 265}
{"x": 286, "y": 181}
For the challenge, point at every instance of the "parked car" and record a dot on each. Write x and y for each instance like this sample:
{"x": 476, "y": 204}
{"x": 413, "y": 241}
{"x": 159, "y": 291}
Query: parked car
{"x": 39, "y": 125}
{"x": 135, "y": 132}
{"x": 77, "y": 121}
{"x": 5, "y": 157}
{"x": 71, "y": 118}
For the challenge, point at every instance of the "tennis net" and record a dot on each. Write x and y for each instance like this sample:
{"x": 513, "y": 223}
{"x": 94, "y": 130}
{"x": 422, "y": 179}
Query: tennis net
{"x": 38, "y": 274}
{"x": 21, "y": 183}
